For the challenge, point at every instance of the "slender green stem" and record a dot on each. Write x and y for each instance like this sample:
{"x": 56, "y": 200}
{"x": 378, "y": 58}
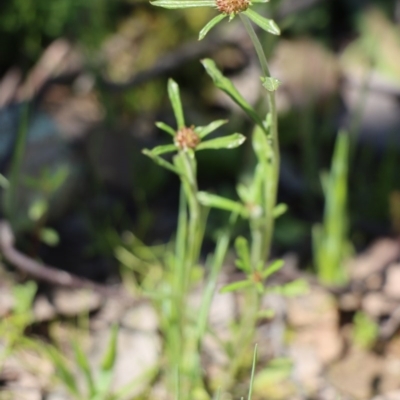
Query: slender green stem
{"x": 271, "y": 187}
{"x": 244, "y": 339}
{"x": 257, "y": 45}
{"x": 194, "y": 231}
{"x": 216, "y": 265}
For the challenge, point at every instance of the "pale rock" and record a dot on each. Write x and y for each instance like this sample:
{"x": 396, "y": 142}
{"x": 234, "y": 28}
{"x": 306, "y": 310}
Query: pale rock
{"x": 316, "y": 307}
{"x": 375, "y": 259}
{"x": 314, "y": 319}
{"x": 376, "y": 304}
{"x": 307, "y": 368}
{"x": 43, "y": 310}
{"x": 394, "y": 395}
{"x": 354, "y": 375}
{"x": 392, "y": 286}
{"x": 74, "y": 302}
{"x": 142, "y": 317}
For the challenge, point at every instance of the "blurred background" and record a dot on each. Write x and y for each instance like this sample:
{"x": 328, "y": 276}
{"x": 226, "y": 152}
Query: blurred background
{"x": 83, "y": 82}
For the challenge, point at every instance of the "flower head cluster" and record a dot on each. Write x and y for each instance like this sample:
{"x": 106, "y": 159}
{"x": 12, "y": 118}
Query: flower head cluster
{"x": 186, "y": 138}
{"x": 189, "y": 139}
{"x": 226, "y": 8}
{"x": 232, "y": 7}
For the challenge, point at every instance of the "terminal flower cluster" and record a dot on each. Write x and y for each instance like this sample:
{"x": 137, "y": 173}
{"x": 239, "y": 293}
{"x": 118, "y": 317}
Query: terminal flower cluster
{"x": 226, "y": 8}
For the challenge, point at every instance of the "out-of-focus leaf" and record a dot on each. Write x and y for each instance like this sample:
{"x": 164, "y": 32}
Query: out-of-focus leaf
{"x": 4, "y": 184}
{"x": 63, "y": 371}
{"x": 242, "y": 250}
{"x": 109, "y": 358}
{"x": 236, "y": 286}
{"x": 244, "y": 193}
{"x": 49, "y": 236}
{"x": 37, "y": 210}
{"x": 279, "y": 210}
{"x": 272, "y": 268}
{"x": 213, "y": 200}
{"x": 23, "y": 296}
{"x": 84, "y": 366}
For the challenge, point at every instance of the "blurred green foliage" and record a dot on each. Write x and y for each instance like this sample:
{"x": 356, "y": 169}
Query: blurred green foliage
{"x": 27, "y": 25}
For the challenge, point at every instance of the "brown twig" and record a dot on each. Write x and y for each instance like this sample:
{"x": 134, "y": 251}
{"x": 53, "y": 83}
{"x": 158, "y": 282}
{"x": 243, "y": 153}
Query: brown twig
{"x": 44, "y": 272}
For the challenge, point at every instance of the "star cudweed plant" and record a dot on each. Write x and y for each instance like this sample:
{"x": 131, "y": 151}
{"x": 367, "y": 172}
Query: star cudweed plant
{"x": 176, "y": 317}
{"x": 256, "y": 204}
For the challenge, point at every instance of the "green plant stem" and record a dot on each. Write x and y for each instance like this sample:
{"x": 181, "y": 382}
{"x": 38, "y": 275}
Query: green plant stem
{"x": 216, "y": 265}
{"x": 194, "y": 232}
{"x": 244, "y": 339}
{"x": 261, "y": 228}
{"x": 189, "y": 239}
{"x": 271, "y": 188}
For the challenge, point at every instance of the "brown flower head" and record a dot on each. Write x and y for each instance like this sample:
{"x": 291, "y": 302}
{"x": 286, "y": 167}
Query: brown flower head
{"x": 232, "y": 7}
{"x": 186, "y": 138}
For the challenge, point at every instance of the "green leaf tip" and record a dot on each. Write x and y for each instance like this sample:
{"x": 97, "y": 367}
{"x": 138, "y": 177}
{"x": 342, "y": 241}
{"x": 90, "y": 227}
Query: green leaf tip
{"x": 264, "y": 23}
{"x": 211, "y": 25}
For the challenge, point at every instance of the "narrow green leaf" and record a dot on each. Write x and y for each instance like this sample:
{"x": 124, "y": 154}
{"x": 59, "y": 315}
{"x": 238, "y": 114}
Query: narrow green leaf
{"x": 259, "y": 1}
{"x": 84, "y": 366}
{"x": 4, "y": 184}
{"x": 165, "y": 128}
{"x": 271, "y": 84}
{"x": 264, "y": 23}
{"x": 175, "y": 98}
{"x": 166, "y": 148}
{"x": 236, "y": 286}
{"x": 272, "y": 268}
{"x": 253, "y": 370}
{"x": 243, "y": 252}
{"x": 174, "y": 4}
{"x": 279, "y": 210}
{"x": 243, "y": 193}
{"x": 213, "y": 200}
{"x": 211, "y": 25}
{"x": 224, "y": 142}
{"x": 227, "y": 86}
{"x": 160, "y": 161}
{"x": 110, "y": 355}
{"x": 269, "y": 313}
{"x": 203, "y": 131}
{"x": 63, "y": 371}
